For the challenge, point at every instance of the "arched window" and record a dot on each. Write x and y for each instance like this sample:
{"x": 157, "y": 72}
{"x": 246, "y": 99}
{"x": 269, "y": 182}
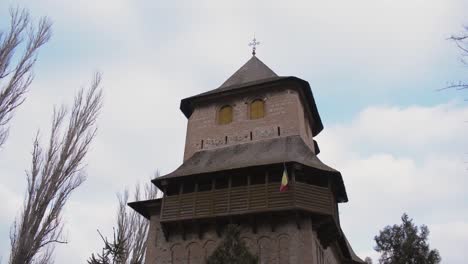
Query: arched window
{"x": 225, "y": 115}
{"x": 257, "y": 109}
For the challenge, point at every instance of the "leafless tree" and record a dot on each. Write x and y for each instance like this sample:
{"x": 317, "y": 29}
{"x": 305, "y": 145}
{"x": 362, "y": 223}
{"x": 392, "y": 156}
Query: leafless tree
{"x": 134, "y": 227}
{"x": 461, "y": 41}
{"x": 129, "y": 241}
{"x": 16, "y": 75}
{"x": 57, "y": 169}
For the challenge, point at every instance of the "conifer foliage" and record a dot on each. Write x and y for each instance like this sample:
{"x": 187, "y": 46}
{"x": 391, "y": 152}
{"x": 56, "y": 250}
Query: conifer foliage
{"x": 113, "y": 252}
{"x": 232, "y": 249}
{"x": 130, "y": 237}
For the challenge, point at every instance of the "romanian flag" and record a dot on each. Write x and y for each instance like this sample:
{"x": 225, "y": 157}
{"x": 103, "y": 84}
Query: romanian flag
{"x": 284, "y": 181}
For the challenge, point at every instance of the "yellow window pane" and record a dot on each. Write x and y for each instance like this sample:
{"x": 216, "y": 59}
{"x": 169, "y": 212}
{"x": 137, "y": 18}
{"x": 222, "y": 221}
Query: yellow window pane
{"x": 257, "y": 109}
{"x": 225, "y": 115}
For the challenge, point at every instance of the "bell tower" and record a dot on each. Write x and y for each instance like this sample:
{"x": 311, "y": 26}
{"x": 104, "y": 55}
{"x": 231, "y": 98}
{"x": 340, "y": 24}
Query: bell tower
{"x": 240, "y": 139}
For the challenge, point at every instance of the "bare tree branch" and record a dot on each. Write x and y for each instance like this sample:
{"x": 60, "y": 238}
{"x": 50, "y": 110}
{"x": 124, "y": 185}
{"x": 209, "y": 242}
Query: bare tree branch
{"x": 15, "y": 78}
{"x": 132, "y": 226}
{"x": 129, "y": 244}
{"x": 55, "y": 172}
{"x": 462, "y": 43}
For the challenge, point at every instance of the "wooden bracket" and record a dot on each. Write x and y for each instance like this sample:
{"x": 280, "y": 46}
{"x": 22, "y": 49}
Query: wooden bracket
{"x": 318, "y": 222}
{"x": 218, "y": 228}
{"x": 271, "y": 219}
{"x": 328, "y": 233}
{"x": 298, "y": 166}
{"x": 297, "y": 217}
{"x": 198, "y": 228}
{"x": 183, "y": 230}
{"x": 165, "y": 232}
{"x": 253, "y": 223}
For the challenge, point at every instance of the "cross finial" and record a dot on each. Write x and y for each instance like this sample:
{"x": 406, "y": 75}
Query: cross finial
{"x": 254, "y": 44}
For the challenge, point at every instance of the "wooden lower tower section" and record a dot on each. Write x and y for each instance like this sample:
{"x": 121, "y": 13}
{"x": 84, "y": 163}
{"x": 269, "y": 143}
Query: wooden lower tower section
{"x": 300, "y": 225}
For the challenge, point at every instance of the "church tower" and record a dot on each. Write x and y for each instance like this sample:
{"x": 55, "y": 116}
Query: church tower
{"x": 241, "y": 139}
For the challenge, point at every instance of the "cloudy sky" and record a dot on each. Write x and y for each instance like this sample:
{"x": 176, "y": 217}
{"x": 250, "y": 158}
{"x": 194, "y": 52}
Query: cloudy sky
{"x": 374, "y": 68}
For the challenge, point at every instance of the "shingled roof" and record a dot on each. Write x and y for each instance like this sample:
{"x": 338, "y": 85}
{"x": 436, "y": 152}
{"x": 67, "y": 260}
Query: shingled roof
{"x": 254, "y": 73}
{"x": 257, "y": 153}
{"x": 253, "y": 70}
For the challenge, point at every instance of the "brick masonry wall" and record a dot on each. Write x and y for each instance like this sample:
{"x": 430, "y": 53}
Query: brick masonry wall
{"x": 283, "y": 109}
{"x": 286, "y": 245}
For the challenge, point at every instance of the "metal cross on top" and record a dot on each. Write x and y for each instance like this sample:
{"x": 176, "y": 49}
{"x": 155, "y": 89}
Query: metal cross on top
{"x": 254, "y": 44}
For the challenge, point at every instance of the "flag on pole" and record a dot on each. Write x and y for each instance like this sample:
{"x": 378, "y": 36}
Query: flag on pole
{"x": 284, "y": 181}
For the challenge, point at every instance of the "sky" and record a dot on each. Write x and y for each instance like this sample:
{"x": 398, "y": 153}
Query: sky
{"x": 375, "y": 68}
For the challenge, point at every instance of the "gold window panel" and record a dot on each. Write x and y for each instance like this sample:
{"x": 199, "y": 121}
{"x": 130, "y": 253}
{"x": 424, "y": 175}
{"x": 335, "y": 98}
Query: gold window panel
{"x": 257, "y": 109}
{"x": 225, "y": 115}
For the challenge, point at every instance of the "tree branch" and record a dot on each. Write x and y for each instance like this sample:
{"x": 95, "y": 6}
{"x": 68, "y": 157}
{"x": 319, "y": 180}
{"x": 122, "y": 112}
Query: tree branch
{"x": 55, "y": 173}
{"x": 16, "y": 78}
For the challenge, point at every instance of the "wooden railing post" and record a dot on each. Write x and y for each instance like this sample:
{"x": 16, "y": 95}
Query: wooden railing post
{"x": 248, "y": 192}
{"x": 266, "y": 190}
{"x": 213, "y": 186}
{"x": 179, "y": 203}
{"x": 195, "y": 194}
{"x": 293, "y": 185}
{"x": 162, "y": 202}
{"x": 229, "y": 194}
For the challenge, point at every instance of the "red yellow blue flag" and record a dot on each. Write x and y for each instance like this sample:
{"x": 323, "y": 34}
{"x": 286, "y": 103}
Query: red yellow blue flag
{"x": 284, "y": 181}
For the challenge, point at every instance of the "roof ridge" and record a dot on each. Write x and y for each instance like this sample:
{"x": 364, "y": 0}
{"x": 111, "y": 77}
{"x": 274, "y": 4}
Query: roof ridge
{"x": 253, "y": 70}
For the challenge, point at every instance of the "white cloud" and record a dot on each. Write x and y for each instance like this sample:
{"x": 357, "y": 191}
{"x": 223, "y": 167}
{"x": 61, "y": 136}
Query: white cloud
{"x": 403, "y": 170}
{"x": 450, "y": 238}
{"x": 405, "y": 130}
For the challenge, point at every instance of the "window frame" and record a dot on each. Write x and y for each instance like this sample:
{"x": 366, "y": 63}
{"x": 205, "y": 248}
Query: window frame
{"x": 220, "y": 115}
{"x": 252, "y": 115}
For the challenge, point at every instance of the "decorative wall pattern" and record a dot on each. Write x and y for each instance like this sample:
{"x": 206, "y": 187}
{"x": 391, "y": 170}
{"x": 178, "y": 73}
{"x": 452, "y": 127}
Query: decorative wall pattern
{"x": 195, "y": 253}
{"x": 283, "y": 249}
{"x": 209, "y": 247}
{"x": 268, "y": 253}
{"x": 285, "y": 245}
{"x": 177, "y": 254}
{"x": 270, "y": 250}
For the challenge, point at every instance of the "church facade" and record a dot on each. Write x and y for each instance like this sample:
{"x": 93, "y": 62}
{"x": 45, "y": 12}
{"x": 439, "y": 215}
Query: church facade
{"x": 242, "y": 138}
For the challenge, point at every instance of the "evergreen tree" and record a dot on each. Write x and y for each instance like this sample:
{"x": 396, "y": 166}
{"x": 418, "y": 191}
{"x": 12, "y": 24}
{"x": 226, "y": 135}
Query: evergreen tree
{"x": 232, "y": 249}
{"x": 405, "y": 244}
{"x": 130, "y": 236}
{"x": 112, "y": 253}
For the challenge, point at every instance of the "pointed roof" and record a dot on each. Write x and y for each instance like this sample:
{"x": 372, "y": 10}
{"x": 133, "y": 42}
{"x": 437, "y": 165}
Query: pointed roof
{"x": 254, "y": 73}
{"x": 253, "y": 70}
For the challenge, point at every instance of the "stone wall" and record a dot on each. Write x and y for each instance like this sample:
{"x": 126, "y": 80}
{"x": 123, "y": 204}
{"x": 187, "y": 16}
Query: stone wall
{"x": 285, "y": 245}
{"x": 284, "y": 116}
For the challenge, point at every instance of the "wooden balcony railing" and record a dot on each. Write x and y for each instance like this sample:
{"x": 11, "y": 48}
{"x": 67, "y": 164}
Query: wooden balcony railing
{"x": 247, "y": 199}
